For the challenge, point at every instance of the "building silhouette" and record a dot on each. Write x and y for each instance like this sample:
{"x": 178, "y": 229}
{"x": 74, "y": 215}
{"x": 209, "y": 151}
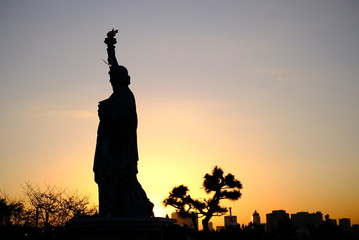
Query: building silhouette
{"x": 210, "y": 226}
{"x": 275, "y": 218}
{"x": 345, "y": 223}
{"x": 219, "y": 228}
{"x": 184, "y": 221}
{"x": 230, "y": 221}
{"x": 305, "y": 220}
{"x": 256, "y": 219}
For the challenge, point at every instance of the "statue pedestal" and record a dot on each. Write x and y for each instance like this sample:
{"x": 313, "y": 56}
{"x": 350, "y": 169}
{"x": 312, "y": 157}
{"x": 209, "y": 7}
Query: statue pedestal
{"x": 118, "y": 228}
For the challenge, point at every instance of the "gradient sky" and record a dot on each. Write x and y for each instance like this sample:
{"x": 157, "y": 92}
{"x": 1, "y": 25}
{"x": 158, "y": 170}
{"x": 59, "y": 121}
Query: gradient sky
{"x": 267, "y": 90}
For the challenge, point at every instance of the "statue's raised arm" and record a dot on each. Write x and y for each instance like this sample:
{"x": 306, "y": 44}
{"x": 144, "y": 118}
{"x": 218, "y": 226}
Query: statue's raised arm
{"x": 110, "y": 41}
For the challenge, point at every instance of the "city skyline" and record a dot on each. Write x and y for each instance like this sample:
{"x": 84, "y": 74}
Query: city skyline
{"x": 229, "y": 220}
{"x": 267, "y": 91}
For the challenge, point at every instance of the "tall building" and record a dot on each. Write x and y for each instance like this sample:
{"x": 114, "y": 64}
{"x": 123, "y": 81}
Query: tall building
{"x": 274, "y": 218}
{"x": 305, "y": 220}
{"x": 256, "y": 219}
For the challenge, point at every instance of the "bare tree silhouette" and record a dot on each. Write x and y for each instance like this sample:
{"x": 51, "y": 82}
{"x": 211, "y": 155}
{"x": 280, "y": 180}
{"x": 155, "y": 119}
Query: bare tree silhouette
{"x": 53, "y": 206}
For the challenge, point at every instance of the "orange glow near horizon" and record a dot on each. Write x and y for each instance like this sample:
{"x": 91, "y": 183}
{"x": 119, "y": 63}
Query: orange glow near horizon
{"x": 178, "y": 144}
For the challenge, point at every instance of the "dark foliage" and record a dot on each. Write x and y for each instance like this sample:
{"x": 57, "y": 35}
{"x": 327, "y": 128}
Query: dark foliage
{"x": 222, "y": 187}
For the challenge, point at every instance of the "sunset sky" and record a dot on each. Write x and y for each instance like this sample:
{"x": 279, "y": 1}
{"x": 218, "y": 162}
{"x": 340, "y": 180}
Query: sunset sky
{"x": 267, "y": 90}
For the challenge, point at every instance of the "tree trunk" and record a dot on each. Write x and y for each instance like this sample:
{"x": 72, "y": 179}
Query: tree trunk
{"x": 37, "y": 218}
{"x": 205, "y": 222}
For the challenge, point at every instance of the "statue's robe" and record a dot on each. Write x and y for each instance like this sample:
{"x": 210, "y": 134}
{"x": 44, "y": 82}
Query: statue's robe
{"x": 116, "y": 156}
